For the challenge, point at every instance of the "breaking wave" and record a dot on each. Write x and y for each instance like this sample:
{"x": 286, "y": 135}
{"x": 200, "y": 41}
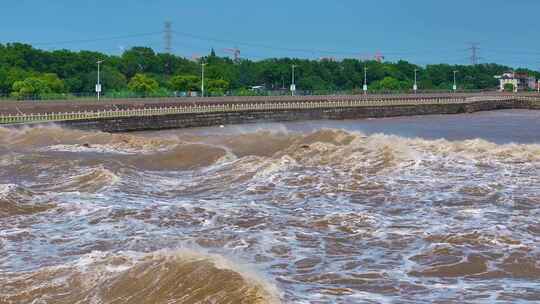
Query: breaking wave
{"x": 15, "y": 200}
{"x": 51, "y": 138}
{"x": 161, "y": 277}
{"x": 89, "y": 180}
{"x": 329, "y": 215}
{"x": 323, "y": 147}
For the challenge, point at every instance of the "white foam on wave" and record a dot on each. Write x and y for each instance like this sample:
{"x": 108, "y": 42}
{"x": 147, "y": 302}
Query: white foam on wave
{"x": 75, "y": 208}
{"x": 273, "y": 128}
{"x": 419, "y": 183}
{"x": 5, "y": 189}
{"x": 88, "y": 262}
{"x": 104, "y": 149}
{"x": 86, "y": 180}
{"x": 10, "y": 159}
{"x": 274, "y": 166}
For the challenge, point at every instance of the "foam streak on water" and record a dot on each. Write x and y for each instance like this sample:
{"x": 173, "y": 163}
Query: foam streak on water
{"x": 321, "y": 216}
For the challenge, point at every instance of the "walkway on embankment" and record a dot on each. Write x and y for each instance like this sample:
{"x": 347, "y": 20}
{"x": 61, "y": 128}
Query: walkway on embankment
{"x": 68, "y": 106}
{"x": 153, "y": 114}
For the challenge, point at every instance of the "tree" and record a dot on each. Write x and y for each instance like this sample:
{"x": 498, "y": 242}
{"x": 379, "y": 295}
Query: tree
{"x": 143, "y": 85}
{"x": 38, "y": 87}
{"x": 4, "y": 86}
{"x": 217, "y": 86}
{"x": 77, "y": 70}
{"x": 387, "y": 84}
{"x": 508, "y": 87}
{"x": 112, "y": 79}
{"x": 10, "y": 75}
{"x": 312, "y": 82}
{"x": 184, "y": 83}
{"x": 29, "y": 88}
{"x": 55, "y": 84}
{"x": 140, "y": 60}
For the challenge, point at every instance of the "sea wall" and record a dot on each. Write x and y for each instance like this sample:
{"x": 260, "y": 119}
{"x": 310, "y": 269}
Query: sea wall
{"x": 190, "y": 120}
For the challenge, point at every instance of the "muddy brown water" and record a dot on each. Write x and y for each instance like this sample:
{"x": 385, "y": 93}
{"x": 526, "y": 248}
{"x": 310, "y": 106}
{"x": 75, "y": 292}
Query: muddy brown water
{"x": 434, "y": 209}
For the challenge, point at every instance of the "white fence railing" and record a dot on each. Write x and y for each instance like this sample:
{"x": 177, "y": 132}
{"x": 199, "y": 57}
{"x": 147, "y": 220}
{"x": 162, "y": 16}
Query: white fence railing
{"x": 241, "y": 107}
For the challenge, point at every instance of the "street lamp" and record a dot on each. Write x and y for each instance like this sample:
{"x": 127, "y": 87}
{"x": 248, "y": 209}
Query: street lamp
{"x": 293, "y": 84}
{"x": 415, "y": 86}
{"x": 202, "y": 78}
{"x": 98, "y": 85}
{"x": 455, "y": 83}
{"x": 365, "y": 80}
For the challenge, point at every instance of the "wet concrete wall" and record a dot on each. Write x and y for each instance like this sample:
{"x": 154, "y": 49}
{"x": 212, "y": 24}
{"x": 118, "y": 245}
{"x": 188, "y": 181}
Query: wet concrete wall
{"x": 128, "y": 124}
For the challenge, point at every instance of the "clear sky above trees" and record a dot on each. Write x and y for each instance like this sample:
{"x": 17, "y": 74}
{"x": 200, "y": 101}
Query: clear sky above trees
{"x": 420, "y": 31}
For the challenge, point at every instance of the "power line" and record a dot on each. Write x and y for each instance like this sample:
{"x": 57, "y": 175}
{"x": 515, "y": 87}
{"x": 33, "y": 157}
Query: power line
{"x": 257, "y": 45}
{"x": 99, "y": 39}
{"x": 270, "y": 47}
{"x": 168, "y": 32}
{"x": 303, "y": 50}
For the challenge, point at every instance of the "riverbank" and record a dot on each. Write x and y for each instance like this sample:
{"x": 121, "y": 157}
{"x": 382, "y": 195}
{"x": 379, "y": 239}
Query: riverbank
{"x": 60, "y": 106}
{"x": 157, "y": 114}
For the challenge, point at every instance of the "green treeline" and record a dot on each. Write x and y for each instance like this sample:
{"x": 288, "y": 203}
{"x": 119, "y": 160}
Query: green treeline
{"x": 29, "y": 72}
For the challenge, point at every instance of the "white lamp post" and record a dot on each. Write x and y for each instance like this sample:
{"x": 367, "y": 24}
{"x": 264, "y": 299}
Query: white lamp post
{"x": 415, "y": 86}
{"x": 455, "y": 83}
{"x": 293, "y": 84}
{"x": 365, "y": 81}
{"x": 202, "y": 78}
{"x": 98, "y": 85}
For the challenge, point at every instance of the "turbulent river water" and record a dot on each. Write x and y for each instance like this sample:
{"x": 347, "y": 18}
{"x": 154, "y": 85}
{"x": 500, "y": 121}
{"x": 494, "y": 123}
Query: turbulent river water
{"x": 434, "y": 209}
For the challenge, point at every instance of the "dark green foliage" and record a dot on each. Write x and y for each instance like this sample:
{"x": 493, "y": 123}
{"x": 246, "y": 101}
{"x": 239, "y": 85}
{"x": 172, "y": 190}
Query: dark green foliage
{"x": 143, "y": 85}
{"x": 140, "y": 60}
{"x": 217, "y": 87}
{"x": 184, "y": 83}
{"x": 38, "y": 86}
{"x": 508, "y": 87}
{"x": 390, "y": 84}
{"x": 25, "y": 65}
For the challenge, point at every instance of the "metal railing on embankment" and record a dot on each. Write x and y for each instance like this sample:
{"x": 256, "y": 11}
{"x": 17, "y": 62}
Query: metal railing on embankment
{"x": 25, "y": 118}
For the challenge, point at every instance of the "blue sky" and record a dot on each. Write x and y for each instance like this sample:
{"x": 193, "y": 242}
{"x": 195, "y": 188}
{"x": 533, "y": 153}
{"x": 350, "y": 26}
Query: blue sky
{"x": 421, "y": 31}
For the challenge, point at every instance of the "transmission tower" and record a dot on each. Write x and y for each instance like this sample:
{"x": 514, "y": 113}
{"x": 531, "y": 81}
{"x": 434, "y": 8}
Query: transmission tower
{"x": 236, "y": 53}
{"x": 474, "y": 53}
{"x": 168, "y": 37}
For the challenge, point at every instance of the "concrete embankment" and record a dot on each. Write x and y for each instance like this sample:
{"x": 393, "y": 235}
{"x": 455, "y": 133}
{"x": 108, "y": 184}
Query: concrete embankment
{"x": 126, "y": 124}
{"x": 186, "y": 113}
{"x": 58, "y": 106}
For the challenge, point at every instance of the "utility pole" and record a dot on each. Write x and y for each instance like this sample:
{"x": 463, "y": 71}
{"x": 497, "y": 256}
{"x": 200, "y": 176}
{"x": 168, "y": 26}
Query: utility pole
{"x": 202, "y": 77}
{"x": 98, "y": 85}
{"x": 415, "y": 86}
{"x": 365, "y": 80}
{"x": 455, "y": 83}
{"x": 293, "y": 84}
{"x": 168, "y": 37}
{"x": 474, "y": 53}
